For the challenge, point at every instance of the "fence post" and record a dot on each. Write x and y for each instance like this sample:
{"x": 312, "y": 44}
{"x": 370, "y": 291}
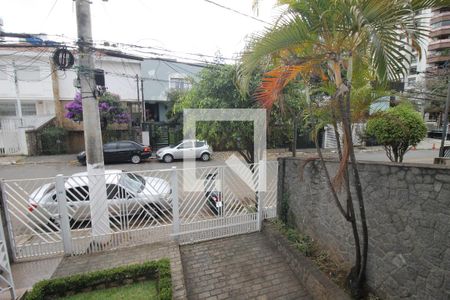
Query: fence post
{"x": 6, "y": 223}
{"x": 261, "y": 187}
{"x": 63, "y": 214}
{"x": 5, "y": 265}
{"x": 175, "y": 207}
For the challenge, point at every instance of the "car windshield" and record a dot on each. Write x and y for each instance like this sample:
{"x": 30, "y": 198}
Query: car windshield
{"x": 176, "y": 144}
{"x": 133, "y": 182}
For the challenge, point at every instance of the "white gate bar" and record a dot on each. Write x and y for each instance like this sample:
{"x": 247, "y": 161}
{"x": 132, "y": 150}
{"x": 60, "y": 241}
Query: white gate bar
{"x": 8, "y": 220}
{"x": 6, "y": 277}
{"x": 175, "y": 207}
{"x": 63, "y": 214}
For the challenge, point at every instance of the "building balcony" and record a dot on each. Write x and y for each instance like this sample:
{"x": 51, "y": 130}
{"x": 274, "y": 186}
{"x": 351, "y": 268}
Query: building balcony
{"x": 438, "y": 9}
{"x": 444, "y": 30}
{"x": 444, "y": 16}
{"x": 438, "y": 58}
{"x": 438, "y": 71}
{"x": 439, "y": 45}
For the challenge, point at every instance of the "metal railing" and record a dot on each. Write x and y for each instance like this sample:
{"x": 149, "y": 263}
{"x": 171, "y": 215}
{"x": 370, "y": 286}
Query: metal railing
{"x": 52, "y": 216}
{"x": 446, "y": 151}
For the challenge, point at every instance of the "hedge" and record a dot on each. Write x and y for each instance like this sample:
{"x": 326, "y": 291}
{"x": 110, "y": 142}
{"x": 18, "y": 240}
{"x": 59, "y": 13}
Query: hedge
{"x": 59, "y": 287}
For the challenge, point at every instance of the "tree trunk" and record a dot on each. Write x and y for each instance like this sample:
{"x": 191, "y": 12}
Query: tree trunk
{"x": 356, "y": 278}
{"x": 359, "y": 195}
{"x": 294, "y": 138}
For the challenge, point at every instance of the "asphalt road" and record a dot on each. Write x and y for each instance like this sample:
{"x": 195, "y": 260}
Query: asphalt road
{"x": 41, "y": 170}
{"x": 34, "y": 168}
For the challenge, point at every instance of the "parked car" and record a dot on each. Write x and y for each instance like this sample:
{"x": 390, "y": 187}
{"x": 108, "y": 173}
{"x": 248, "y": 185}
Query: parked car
{"x": 121, "y": 151}
{"x": 191, "y": 148}
{"x": 128, "y": 193}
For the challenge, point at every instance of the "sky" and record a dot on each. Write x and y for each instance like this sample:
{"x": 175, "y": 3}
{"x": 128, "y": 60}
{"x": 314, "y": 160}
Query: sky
{"x": 187, "y": 26}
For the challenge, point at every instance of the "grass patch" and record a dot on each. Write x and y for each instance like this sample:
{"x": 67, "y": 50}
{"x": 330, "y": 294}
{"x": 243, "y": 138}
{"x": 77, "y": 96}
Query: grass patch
{"x": 158, "y": 271}
{"x": 138, "y": 291}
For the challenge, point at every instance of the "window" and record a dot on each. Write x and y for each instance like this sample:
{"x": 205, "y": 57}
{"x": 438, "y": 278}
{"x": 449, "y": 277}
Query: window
{"x": 3, "y": 74}
{"x": 133, "y": 182}
{"x": 411, "y": 80}
{"x": 179, "y": 82}
{"x": 199, "y": 144}
{"x": 186, "y": 145}
{"x": 76, "y": 194}
{"x": 28, "y": 109}
{"x": 28, "y": 73}
{"x": 110, "y": 146}
{"x": 441, "y": 24}
{"x": 124, "y": 146}
{"x": 113, "y": 191}
{"x": 7, "y": 109}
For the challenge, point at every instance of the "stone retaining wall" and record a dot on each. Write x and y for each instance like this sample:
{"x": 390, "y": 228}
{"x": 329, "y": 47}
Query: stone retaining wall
{"x": 408, "y": 215}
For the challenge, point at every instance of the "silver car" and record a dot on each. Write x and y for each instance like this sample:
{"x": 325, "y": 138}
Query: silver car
{"x": 127, "y": 193}
{"x": 187, "y": 148}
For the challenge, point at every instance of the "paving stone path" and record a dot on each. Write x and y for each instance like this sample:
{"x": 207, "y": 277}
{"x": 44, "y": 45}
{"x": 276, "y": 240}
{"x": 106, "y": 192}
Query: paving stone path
{"x": 239, "y": 267}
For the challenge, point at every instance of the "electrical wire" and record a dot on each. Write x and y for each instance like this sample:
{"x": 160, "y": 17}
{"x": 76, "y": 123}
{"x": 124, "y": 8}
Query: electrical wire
{"x": 237, "y": 12}
{"x": 50, "y": 12}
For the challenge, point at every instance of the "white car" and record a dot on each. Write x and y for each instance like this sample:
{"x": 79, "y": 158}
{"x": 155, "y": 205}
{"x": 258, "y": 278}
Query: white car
{"x": 186, "y": 148}
{"x": 127, "y": 193}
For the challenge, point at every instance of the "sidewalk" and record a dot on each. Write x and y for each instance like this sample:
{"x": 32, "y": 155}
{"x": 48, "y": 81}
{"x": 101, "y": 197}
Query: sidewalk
{"x": 272, "y": 154}
{"x": 42, "y": 159}
{"x": 10, "y": 160}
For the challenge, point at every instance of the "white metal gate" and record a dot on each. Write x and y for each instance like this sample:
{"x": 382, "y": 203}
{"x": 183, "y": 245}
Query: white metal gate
{"x": 13, "y": 142}
{"x": 51, "y": 216}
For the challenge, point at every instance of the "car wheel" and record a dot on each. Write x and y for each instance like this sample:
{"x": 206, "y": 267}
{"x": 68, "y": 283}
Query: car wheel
{"x": 135, "y": 159}
{"x": 168, "y": 158}
{"x": 205, "y": 157}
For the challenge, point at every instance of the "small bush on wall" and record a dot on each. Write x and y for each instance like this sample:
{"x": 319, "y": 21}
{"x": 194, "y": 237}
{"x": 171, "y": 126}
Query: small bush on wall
{"x": 53, "y": 140}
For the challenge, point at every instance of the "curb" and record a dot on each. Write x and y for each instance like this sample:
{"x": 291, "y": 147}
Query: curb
{"x": 318, "y": 285}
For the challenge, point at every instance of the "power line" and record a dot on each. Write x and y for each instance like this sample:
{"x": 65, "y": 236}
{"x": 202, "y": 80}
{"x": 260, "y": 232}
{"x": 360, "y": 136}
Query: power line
{"x": 50, "y": 12}
{"x": 236, "y": 11}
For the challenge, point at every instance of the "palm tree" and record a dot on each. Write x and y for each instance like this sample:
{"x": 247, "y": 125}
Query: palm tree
{"x": 329, "y": 40}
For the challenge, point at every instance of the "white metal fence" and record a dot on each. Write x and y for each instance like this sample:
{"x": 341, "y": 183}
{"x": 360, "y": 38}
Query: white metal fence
{"x": 52, "y": 216}
{"x": 330, "y": 137}
{"x": 13, "y": 140}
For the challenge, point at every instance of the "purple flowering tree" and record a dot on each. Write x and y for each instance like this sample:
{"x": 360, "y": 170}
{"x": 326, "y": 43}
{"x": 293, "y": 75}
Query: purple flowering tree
{"x": 109, "y": 106}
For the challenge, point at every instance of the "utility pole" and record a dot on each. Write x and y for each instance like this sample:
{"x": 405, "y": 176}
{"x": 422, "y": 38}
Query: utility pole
{"x": 92, "y": 132}
{"x": 144, "y": 116}
{"x": 145, "y": 127}
{"x": 59, "y": 110}
{"x": 444, "y": 129}
{"x": 17, "y": 90}
{"x": 138, "y": 98}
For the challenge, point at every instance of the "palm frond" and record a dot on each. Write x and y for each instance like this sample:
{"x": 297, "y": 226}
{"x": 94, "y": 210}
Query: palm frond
{"x": 291, "y": 35}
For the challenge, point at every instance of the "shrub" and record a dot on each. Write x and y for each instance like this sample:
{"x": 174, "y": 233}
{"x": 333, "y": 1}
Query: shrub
{"x": 53, "y": 140}
{"x": 397, "y": 129}
{"x": 159, "y": 270}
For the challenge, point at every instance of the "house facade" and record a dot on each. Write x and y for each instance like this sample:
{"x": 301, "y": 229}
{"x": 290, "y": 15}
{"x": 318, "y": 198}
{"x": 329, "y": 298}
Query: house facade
{"x": 33, "y": 92}
{"x": 159, "y": 77}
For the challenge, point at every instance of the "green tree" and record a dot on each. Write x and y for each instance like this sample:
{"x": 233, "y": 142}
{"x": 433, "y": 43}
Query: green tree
{"x": 397, "y": 129}
{"x": 325, "y": 41}
{"x": 216, "y": 88}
